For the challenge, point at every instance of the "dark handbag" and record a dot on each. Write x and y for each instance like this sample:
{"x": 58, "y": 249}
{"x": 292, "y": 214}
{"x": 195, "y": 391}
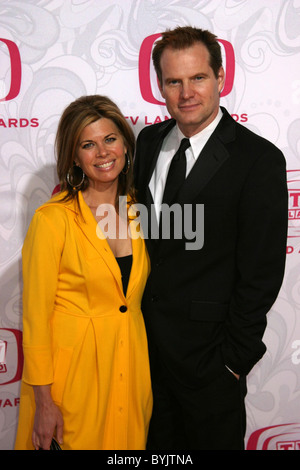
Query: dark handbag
{"x": 54, "y": 445}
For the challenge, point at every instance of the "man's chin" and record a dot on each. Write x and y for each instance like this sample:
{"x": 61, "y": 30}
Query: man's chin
{"x": 190, "y": 127}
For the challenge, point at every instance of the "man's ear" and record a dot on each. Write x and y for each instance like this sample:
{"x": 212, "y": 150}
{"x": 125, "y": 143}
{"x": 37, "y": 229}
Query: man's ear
{"x": 221, "y": 79}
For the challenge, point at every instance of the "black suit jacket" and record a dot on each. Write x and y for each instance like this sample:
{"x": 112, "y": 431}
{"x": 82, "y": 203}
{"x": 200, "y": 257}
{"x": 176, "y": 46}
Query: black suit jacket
{"x": 206, "y": 308}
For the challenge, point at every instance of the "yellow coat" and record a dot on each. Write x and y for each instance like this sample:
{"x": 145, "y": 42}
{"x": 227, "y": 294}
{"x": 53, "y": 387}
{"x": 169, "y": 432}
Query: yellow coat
{"x": 76, "y": 337}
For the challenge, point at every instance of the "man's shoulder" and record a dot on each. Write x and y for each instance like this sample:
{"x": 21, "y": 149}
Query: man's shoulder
{"x": 252, "y": 137}
{"x": 246, "y": 134}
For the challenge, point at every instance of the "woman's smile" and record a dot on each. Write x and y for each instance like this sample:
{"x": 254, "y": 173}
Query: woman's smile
{"x": 106, "y": 165}
{"x": 101, "y": 153}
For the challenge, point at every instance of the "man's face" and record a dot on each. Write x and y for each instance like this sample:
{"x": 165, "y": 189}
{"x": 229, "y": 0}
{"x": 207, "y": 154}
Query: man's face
{"x": 190, "y": 88}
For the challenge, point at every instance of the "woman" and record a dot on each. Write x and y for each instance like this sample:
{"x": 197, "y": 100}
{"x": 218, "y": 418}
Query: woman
{"x": 86, "y": 376}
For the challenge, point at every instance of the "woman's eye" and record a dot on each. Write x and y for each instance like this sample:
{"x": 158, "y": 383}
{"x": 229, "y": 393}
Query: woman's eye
{"x": 87, "y": 145}
{"x": 110, "y": 139}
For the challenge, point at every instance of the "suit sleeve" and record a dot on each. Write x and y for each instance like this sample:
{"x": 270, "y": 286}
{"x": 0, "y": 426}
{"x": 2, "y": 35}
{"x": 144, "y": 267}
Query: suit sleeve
{"x": 41, "y": 259}
{"x": 137, "y": 160}
{"x": 260, "y": 260}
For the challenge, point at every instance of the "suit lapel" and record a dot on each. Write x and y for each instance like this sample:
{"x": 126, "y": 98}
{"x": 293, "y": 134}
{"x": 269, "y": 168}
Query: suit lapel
{"x": 156, "y": 143}
{"x": 212, "y": 157}
{"x": 155, "y": 146}
{"x": 208, "y": 163}
{"x": 157, "y": 138}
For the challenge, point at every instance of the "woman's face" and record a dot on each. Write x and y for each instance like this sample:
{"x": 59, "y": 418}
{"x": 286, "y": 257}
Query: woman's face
{"x": 101, "y": 153}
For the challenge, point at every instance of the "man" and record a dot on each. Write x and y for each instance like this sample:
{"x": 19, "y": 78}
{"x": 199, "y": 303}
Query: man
{"x": 205, "y": 305}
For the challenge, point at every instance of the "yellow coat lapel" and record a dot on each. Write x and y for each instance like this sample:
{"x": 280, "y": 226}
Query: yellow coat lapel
{"x": 89, "y": 227}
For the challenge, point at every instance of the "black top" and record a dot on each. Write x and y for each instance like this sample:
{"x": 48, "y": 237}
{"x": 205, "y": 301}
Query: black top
{"x": 125, "y": 263}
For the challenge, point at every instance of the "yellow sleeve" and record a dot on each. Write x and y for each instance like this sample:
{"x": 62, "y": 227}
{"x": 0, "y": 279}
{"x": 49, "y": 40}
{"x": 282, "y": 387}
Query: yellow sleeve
{"x": 41, "y": 256}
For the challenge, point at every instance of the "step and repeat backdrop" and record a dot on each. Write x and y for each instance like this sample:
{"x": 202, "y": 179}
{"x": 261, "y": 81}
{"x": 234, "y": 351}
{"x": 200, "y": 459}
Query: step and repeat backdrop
{"x": 54, "y": 51}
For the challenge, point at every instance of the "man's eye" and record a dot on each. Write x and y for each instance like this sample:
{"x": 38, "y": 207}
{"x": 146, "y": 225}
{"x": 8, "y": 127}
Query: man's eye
{"x": 173, "y": 82}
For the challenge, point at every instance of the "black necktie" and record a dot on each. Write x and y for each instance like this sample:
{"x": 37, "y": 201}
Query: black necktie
{"x": 176, "y": 174}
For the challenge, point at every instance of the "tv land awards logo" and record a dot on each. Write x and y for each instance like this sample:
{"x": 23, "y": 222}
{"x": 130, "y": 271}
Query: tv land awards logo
{"x": 278, "y": 437}
{"x": 15, "y": 70}
{"x": 146, "y": 72}
{"x": 147, "y": 79}
{"x": 147, "y": 76}
{"x": 11, "y": 356}
{"x": 293, "y": 181}
{"x": 14, "y": 66}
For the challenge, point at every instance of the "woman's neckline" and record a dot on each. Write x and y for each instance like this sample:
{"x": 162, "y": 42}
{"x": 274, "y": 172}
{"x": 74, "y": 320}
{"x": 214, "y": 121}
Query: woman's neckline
{"x": 126, "y": 256}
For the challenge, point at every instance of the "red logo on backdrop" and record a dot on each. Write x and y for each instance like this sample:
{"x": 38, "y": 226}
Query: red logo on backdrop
{"x": 11, "y": 356}
{"x": 293, "y": 181}
{"x": 280, "y": 437}
{"x": 145, "y": 68}
{"x": 16, "y": 70}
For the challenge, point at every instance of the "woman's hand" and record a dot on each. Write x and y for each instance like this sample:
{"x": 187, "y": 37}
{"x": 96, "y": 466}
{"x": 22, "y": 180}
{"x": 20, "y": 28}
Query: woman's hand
{"x": 48, "y": 418}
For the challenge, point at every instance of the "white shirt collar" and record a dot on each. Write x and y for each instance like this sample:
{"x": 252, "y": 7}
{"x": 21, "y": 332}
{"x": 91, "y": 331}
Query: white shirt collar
{"x": 199, "y": 140}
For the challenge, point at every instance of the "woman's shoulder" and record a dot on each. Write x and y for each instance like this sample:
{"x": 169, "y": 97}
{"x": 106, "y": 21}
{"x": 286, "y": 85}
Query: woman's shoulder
{"x": 57, "y": 203}
{"x": 48, "y": 222}
{"x": 54, "y": 213}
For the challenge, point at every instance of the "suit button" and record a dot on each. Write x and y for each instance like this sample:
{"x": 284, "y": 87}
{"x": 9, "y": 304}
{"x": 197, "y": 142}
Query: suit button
{"x": 154, "y": 298}
{"x": 123, "y": 309}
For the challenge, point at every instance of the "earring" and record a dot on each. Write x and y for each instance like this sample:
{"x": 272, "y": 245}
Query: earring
{"x": 72, "y": 177}
{"x": 128, "y": 165}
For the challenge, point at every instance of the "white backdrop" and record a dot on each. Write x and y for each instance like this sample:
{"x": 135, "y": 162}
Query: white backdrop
{"x": 52, "y": 52}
